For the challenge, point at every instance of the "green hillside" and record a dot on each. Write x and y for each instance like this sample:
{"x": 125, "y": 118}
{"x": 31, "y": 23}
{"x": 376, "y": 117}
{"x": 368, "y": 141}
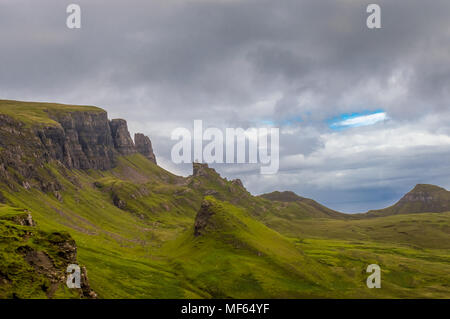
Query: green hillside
{"x": 143, "y": 232}
{"x": 231, "y": 255}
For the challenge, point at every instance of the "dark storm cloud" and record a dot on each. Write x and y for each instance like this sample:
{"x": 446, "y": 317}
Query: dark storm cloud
{"x": 161, "y": 64}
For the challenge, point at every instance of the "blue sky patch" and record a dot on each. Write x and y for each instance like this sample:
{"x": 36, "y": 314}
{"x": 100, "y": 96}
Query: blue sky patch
{"x": 357, "y": 119}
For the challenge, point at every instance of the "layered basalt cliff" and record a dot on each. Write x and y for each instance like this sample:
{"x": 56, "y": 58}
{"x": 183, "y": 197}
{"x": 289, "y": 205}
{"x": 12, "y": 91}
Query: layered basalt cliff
{"x": 83, "y": 140}
{"x": 78, "y": 139}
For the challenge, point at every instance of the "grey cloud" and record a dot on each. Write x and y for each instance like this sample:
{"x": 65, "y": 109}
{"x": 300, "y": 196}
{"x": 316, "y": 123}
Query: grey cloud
{"x": 162, "y": 64}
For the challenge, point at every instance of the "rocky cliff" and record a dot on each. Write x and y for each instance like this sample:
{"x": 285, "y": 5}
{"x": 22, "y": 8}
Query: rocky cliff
{"x": 83, "y": 140}
{"x": 76, "y": 137}
{"x": 121, "y": 137}
{"x": 144, "y": 146}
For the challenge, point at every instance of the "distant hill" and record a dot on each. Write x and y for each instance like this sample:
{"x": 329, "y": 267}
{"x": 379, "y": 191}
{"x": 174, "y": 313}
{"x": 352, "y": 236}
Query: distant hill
{"x": 423, "y": 198}
{"x": 310, "y": 207}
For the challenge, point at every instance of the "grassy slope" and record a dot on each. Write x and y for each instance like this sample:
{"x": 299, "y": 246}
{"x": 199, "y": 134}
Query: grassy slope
{"x": 240, "y": 257}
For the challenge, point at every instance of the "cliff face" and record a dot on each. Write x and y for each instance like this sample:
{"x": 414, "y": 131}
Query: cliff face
{"x": 83, "y": 141}
{"x": 121, "y": 137}
{"x": 77, "y": 139}
{"x": 144, "y": 146}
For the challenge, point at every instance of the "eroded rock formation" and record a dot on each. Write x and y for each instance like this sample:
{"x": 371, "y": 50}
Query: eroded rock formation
{"x": 144, "y": 146}
{"x": 121, "y": 137}
{"x": 202, "y": 218}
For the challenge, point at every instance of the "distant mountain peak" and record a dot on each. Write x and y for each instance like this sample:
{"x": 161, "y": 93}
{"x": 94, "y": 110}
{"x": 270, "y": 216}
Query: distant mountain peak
{"x": 432, "y": 196}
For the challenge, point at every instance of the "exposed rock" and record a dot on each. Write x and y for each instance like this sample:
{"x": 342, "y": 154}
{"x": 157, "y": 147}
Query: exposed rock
{"x": 119, "y": 203}
{"x": 58, "y": 195}
{"x": 85, "y": 287}
{"x": 39, "y": 260}
{"x": 199, "y": 169}
{"x": 24, "y": 219}
{"x": 76, "y": 139}
{"x": 423, "y": 198}
{"x": 79, "y": 141}
{"x": 202, "y": 218}
{"x": 83, "y": 141}
{"x": 144, "y": 146}
{"x": 202, "y": 169}
{"x": 237, "y": 182}
{"x": 121, "y": 137}
{"x": 67, "y": 250}
{"x": 54, "y": 266}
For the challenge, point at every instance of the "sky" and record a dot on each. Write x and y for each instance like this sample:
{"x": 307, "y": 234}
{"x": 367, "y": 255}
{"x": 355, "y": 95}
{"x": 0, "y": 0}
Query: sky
{"x": 363, "y": 113}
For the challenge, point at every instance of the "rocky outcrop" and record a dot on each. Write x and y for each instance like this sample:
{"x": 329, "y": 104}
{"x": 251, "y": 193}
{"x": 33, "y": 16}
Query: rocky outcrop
{"x": 118, "y": 202}
{"x": 237, "y": 182}
{"x": 202, "y": 169}
{"x": 45, "y": 264}
{"x": 121, "y": 137}
{"x": 202, "y": 218}
{"x": 144, "y": 146}
{"x": 49, "y": 257}
{"x": 24, "y": 219}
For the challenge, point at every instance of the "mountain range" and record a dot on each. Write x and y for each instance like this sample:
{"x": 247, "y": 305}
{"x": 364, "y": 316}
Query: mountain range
{"x": 75, "y": 188}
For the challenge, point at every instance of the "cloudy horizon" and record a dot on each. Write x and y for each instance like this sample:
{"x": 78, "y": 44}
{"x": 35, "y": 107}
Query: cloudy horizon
{"x": 363, "y": 114}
